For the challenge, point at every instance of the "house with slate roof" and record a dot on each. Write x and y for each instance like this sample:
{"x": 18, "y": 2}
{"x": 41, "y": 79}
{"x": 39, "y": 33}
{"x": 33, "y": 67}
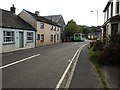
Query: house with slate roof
{"x": 48, "y": 32}
{"x": 58, "y": 19}
{"x": 15, "y": 33}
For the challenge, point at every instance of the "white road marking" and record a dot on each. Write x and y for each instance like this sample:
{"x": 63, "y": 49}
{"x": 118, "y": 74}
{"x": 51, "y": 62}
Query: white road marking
{"x": 65, "y": 72}
{"x": 19, "y": 61}
{"x": 67, "y": 69}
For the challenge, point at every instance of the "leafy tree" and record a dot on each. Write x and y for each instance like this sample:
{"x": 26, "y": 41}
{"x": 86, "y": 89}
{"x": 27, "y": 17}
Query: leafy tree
{"x": 92, "y": 29}
{"x": 79, "y": 29}
{"x": 70, "y": 29}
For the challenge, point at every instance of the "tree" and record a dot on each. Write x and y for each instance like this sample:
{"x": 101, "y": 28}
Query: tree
{"x": 92, "y": 29}
{"x": 79, "y": 29}
{"x": 70, "y": 29}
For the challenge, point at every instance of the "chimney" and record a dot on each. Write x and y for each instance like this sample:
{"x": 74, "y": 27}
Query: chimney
{"x": 12, "y": 9}
{"x": 37, "y": 13}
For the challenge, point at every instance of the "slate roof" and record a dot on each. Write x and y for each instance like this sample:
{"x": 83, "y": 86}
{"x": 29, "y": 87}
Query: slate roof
{"x": 40, "y": 18}
{"x": 56, "y": 18}
{"x": 11, "y": 20}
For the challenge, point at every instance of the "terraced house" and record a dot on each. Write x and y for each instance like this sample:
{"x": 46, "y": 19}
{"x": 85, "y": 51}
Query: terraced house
{"x": 48, "y": 32}
{"x": 15, "y": 33}
{"x": 111, "y": 18}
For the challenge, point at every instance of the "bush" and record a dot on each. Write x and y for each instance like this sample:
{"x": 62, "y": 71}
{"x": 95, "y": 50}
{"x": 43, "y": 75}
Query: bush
{"x": 111, "y": 54}
{"x": 96, "y": 45}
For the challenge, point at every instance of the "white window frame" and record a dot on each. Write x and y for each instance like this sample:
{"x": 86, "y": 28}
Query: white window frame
{"x": 51, "y": 27}
{"x": 12, "y": 37}
{"x": 57, "y": 37}
{"x": 42, "y": 38}
{"x": 30, "y": 37}
{"x": 58, "y": 29}
{"x": 51, "y": 37}
{"x": 54, "y": 28}
{"x": 42, "y": 25}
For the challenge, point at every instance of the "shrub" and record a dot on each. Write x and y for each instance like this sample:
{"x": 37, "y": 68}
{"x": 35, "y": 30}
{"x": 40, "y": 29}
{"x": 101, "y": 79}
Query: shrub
{"x": 96, "y": 45}
{"x": 111, "y": 53}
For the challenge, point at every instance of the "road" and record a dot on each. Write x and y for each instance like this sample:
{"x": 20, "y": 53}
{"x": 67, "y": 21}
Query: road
{"x": 41, "y": 71}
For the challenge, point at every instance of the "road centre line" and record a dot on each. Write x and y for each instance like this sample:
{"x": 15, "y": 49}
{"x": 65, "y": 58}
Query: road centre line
{"x": 5, "y": 66}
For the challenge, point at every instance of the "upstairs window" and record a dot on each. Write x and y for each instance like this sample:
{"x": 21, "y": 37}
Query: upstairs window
{"x": 117, "y": 7}
{"x": 107, "y": 13}
{"x": 58, "y": 29}
{"x": 42, "y": 25}
{"x": 51, "y": 27}
{"x": 55, "y": 28}
{"x": 29, "y": 36}
{"x": 8, "y": 36}
{"x": 111, "y": 9}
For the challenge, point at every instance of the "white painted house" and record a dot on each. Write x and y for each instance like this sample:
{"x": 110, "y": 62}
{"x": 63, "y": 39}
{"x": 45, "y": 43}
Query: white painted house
{"x": 15, "y": 33}
{"x": 111, "y": 18}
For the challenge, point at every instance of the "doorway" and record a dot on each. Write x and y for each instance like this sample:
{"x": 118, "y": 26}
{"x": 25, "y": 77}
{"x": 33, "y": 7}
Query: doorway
{"x": 21, "y": 40}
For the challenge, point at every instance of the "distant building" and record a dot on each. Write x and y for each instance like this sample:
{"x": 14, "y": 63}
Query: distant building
{"x": 111, "y": 18}
{"x": 58, "y": 19}
{"x": 48, "y": 32}
{"x": 92, "y": 35}
{"x": 15, "y": 33}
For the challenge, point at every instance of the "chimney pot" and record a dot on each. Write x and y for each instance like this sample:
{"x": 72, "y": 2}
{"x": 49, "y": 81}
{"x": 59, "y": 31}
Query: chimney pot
{"x": 12, "y": 9}
{"x": 37, "y": 13}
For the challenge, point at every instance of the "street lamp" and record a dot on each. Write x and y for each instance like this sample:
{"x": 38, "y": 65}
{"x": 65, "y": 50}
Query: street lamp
{"x": 97, "y": 19}
{"x": 97, "y": 15}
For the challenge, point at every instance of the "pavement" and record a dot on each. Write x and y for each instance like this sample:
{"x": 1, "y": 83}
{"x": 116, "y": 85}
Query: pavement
{"x": 85, "y": 75}
{"x": 111, "y": 75}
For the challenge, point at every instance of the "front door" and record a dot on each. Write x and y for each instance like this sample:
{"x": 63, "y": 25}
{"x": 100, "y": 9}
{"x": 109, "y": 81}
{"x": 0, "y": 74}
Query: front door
{"x": 21, "y": 40}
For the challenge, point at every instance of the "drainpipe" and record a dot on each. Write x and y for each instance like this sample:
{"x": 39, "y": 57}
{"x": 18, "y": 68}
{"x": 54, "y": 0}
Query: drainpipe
{"x": 35, "y": 39}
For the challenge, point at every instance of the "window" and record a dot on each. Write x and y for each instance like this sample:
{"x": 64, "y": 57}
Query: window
{"x": 51, "y": 37}
{"x": 51, "y": 27}
{"x": 58, "y": 29}
{"x": 42, "y": 25}
{"x": 29, "y": 36}
{"x": 114, "y": 28}
{"x": 107, "y": 13}
{"x": 38, "y": 36}
{"x": 57, "y": 37}
{"x": 55, "y": 28}
{"x": 117, "y": 7}
{"x": 42, "y": 37}
{"x": 111, "y": 9}
{"x": 8, "y": 36}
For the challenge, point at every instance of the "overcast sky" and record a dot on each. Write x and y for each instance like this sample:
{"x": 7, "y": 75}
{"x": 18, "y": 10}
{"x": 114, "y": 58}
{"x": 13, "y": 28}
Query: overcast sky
{"x": 78, "y": 10}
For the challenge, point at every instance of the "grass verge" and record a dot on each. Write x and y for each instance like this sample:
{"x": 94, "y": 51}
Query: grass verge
{"x": 93, "y": 57}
